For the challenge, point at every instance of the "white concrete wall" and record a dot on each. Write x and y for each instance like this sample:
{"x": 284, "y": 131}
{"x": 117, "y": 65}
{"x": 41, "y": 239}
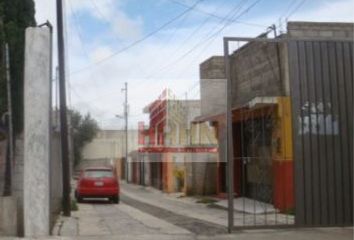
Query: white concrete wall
{"x": 37, "y": 132}
{"x": 110, "y": 144}
{"x": 8, "y": 216}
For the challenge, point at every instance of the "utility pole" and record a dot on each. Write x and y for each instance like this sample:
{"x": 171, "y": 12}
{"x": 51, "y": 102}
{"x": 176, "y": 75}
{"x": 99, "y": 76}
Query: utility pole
{"x": 9, "y": 159}
{"x": 125, "y": 89}
{"x": 63, "y": 112}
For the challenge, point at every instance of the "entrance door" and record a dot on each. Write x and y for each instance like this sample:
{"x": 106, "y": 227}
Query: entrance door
{"x": 257, "y": 161}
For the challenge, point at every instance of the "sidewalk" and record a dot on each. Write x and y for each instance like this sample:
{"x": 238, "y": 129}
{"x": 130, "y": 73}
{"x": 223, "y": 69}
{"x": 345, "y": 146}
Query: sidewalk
{"x": 188, "y": 206}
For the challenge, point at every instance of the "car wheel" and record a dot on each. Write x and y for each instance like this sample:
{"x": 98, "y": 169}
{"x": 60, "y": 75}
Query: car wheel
{"x": 115, "y": 199}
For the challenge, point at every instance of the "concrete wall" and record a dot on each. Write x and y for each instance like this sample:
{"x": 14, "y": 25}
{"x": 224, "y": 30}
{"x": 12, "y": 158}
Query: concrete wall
{"x": 8, "y": 216}
{"x": 18, "y": 183}
{"x": 56, "y": 177}
{"x": 203, "y": 173}
{"x": 180, "y": 131}
{"x": 212, "y": 86}
{"x": 110, "y": 144}
{"x": 320, "y": 30}
{"x": 37, "y": 130}
{"x": 212, "y": 68}
{"x": 108, "y": 147}
{"x": 8, "y": 205}
{"x": 255, "y": 72}
{"x": 96, "y": 162}
{"x": 199, "y": 169}
{"x": 3, "y": 146}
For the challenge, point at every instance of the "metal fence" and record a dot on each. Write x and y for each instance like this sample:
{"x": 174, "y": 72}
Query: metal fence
{"x": 321, "y": 77}
{"x": 314, "y": 188}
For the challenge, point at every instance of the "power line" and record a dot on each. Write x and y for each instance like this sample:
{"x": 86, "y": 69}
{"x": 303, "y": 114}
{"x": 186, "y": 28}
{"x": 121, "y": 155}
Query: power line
{"x": 133, "y": 44}
{"x": 190, "y": 36}
{"x": 93, "y": 2}
{"x": 214, "y": 35}
{"x": 290, "y": 5}
{"x": 217, "y": 16}
{"x": 295, "y": 9}
{"x": 236, "y": 8}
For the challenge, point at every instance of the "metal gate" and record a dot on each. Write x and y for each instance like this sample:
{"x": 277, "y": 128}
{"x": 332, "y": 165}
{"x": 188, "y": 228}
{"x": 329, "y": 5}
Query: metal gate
{"x": 321, "y": 78}
{"x": 312, "y": 183}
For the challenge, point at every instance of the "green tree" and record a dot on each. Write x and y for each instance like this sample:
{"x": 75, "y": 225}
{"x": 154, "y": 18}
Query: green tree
{"x": 15, "y": 17}
{"x": 84, "y": 130}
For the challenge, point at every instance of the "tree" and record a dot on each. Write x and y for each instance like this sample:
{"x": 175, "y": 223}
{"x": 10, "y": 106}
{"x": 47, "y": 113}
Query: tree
{"x": 15, "y": 17}
{"x": 84, "y": 130}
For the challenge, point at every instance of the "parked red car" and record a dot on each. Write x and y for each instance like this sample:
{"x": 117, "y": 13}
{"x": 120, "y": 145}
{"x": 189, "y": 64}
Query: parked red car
{"x": 99, "y": 182}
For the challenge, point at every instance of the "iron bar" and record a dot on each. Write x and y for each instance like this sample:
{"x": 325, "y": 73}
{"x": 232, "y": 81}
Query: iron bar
{"x": 229, "y": 140}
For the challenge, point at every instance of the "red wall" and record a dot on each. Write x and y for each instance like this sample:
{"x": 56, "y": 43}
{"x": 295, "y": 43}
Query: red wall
{"x": 283, "y": 194}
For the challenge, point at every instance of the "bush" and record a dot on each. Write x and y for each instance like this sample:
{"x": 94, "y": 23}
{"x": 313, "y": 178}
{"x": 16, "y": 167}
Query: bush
{"x": 74, "y": 206}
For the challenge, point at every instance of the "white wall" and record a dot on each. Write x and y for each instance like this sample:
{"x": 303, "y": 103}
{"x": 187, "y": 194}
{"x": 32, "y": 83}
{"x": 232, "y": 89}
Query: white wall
{"x": 110, "y": 144}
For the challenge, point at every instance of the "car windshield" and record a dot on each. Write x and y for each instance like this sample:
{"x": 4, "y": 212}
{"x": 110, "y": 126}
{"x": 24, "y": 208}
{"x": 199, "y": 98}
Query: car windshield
{"x": 98, "y": 173}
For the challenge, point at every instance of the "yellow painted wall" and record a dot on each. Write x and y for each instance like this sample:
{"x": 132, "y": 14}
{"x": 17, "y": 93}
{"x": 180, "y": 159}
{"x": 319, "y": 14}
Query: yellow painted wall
{"x": 282, "y": 135}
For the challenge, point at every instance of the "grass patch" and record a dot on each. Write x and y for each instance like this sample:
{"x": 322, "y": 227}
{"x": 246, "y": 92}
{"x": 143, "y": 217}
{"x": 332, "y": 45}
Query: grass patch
{"x": 290, "y": 211}
{"x": 74, "y": 206}
{"x": 206, "y": 200}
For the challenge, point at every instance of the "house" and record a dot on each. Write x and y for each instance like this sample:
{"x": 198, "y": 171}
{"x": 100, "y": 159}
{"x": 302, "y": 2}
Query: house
{"x": 175, "y": 155}
{"x": 263, "y": 113}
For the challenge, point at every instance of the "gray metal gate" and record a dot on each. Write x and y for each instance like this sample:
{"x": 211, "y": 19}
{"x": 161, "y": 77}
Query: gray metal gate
{"x": 321, "y": 81}
{"x": 321, "y": 88}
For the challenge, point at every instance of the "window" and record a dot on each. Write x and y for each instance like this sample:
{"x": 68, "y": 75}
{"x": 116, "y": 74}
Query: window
{"x": 98, "y": 173}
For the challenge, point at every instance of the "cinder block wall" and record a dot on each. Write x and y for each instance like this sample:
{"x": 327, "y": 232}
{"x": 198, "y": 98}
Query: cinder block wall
{"x": 320, "y": 30}
{"x": 212, "y": 86}
{"x": 255, "y": 72}
{"x": 201, "y": 174}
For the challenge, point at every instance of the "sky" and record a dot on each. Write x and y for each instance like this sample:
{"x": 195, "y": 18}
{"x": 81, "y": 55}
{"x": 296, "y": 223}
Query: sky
{"x": 158, "y": 44}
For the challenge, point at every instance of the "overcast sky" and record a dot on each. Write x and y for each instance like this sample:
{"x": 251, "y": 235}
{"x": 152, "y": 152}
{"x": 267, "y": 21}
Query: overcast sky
{"x": 109, "y": 42}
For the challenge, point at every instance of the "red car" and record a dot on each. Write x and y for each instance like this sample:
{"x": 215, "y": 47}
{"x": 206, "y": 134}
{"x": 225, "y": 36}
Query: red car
{"x": 99, "y": 182}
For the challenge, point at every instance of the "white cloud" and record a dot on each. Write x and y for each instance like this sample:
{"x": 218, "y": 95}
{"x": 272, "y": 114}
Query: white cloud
{"x": 330, "y": 11}
{"x": 125, "y": 27}
{"x": 98, "y": 89}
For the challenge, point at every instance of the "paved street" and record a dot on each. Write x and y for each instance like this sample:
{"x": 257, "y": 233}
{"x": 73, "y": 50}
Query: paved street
{"x": 145, "y": 213}
{"x": 105, "y": 219}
